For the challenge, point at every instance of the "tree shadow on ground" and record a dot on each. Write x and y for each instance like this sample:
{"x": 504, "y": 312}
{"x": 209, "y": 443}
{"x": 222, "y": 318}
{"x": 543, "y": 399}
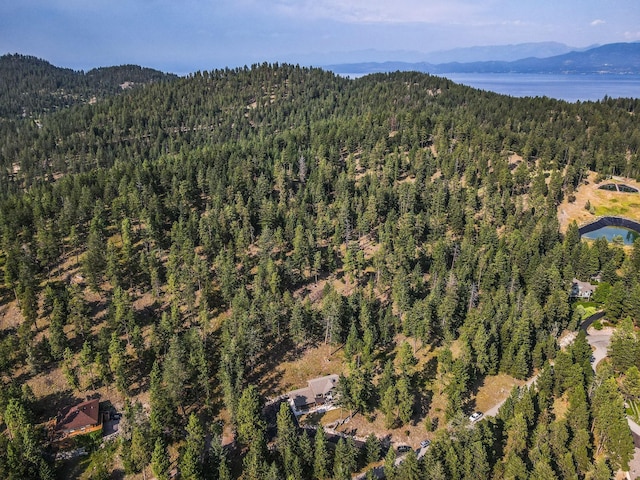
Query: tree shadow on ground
{"x": 51, "y": 405}
{"x": 422, "y": 405}
{"x": 264, "y": 373}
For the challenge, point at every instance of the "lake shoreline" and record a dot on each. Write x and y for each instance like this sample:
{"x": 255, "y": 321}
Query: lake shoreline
{"x": 568, "y": 87}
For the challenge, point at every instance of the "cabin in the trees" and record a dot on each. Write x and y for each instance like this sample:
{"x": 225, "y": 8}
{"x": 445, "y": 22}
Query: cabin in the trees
{"x": 318, "y": 392}
{"x": 581, "y": 289}
{"x": 85, "y": 417}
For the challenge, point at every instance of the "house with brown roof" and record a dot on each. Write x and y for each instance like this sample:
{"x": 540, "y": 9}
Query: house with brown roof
{"x": 79, "y": 419}
{"x": 319, "y": 391}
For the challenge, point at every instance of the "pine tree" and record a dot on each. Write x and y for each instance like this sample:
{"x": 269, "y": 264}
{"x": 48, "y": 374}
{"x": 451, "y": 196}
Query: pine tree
{"x": 163, "y": 416}
{"x": 58, "y": 339}
{"x": 94, "y": 261}
{"x": 137, "y": 451}
{"x": 344, "y": 462}
{"x": 610, "y": 427}
{"x": 631, "y": 383}
{"x": 306, "y": 454}
{"x": 118, "y": 362}
{"x": 174, "y": 374}
{"x": 286, "y": 441}
{"x": 615, "y": 303}
{"x": 78, "y": 312}
{"x": 192, "y": 457}
{"x": 372, "y": 449}
{"x": 390, "y": 471}
{"x": 85, "y": 359}
{"x": 409, "y": 469}
{"x": 254, "y": 463}
{"x": 160, "y": 460}
{"x": 321, "y": 456}
{"x": 578, "y": 411}
{"x": 516, "y": 436}
{"x": 405, "y": 401}
{"x": 581, "y": 450}
{"x": 389, "y": 406}
{"x": 249, "y": 422}
{"x": 623, "y": 349}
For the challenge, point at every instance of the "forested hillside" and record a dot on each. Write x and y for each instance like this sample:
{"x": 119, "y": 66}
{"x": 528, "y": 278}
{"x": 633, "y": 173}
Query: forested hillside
{"x": 170, "y": 247}
{"x": 31, "y": 86}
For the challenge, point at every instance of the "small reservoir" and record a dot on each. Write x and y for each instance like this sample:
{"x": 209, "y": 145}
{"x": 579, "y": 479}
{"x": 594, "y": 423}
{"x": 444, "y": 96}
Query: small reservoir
{"x": 612, "y": 228}
{"x": 610, "y": 233}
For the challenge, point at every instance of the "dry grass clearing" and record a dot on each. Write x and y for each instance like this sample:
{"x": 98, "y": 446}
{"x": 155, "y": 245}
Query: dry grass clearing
{"x": 494, "y": 389}
{"x": 310, "y": 363}
{"x": 363, "y": 425}
{"x": 560, "y": 406}
{"x": 603, "y": 202}
{"x": 323, "y": 418}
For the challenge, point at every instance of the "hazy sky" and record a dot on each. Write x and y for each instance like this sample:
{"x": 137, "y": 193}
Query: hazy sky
{"x": 187, "y": 35}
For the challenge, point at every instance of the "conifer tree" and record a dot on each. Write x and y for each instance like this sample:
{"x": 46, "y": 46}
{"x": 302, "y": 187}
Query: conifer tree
{"x": 390, "y": 471}
{"x": 321, "y": 456}
{"x": 192, "y": 458}
{"x": 372, "y": 449}
{"x": 286, "y": 441}
{"x": 160, "y": 460}
{"x": 610, "y": 427}
{"x": 409, "y": 469}
{"x": 249, "y": 423}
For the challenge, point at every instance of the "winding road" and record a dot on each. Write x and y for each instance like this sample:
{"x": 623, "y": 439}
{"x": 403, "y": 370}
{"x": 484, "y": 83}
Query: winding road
{"x": 598, "y": 339}
{"x": 493, "y": 411}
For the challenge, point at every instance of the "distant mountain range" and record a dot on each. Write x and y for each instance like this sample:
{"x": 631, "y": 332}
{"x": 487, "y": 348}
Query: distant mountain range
{"x": 504, "y": 53}
{"x": 615, "y": 58}
{"x": 501, "y": 53}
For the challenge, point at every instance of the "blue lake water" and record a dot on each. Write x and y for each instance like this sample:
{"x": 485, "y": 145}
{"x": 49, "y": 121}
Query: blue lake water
{"x": 628, "y": 235}
{"x": 564, "y": 87}
{"x": 571, "y": 88}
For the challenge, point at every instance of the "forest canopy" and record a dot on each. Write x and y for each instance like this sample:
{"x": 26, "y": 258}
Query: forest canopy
{"x": 174, "y": 242}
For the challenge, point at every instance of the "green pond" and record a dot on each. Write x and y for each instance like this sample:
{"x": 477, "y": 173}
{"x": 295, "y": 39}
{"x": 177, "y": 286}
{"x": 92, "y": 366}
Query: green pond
{"x": 611, "y": 232}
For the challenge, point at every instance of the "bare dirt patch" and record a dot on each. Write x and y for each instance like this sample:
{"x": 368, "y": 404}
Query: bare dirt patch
{"x": 514, "y": 159}
{"x": 10, "y": 316}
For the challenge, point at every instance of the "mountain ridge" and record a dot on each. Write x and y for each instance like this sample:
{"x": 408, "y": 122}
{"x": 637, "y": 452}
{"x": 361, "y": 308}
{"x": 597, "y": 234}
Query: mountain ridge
{"x": 34, "y": 86}
{"x": 615, "y": 58}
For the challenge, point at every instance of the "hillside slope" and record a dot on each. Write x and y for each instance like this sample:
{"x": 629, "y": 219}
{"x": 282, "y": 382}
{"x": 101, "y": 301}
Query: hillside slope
{"x": 33, "y": 86}
{"x": 194, "y": 246}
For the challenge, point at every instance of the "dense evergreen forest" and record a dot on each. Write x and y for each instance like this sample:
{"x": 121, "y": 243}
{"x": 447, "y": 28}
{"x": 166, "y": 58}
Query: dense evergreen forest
{"x": 164, "y": 245}
{"x": 31, "y": 86}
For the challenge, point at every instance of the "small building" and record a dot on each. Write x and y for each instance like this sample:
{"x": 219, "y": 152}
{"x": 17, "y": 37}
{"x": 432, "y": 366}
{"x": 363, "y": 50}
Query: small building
{"x": 319, "y": 391}
{"x": 78, "y": 420}
{"x": 581, "y": 289}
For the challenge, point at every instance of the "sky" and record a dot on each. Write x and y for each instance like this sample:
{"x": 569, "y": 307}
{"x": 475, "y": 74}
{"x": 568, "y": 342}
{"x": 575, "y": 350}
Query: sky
{"x": 183, "y": 36}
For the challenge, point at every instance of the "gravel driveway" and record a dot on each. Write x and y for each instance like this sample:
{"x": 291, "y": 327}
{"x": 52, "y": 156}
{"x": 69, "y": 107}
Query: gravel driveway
{"x": 600, "y": 341}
